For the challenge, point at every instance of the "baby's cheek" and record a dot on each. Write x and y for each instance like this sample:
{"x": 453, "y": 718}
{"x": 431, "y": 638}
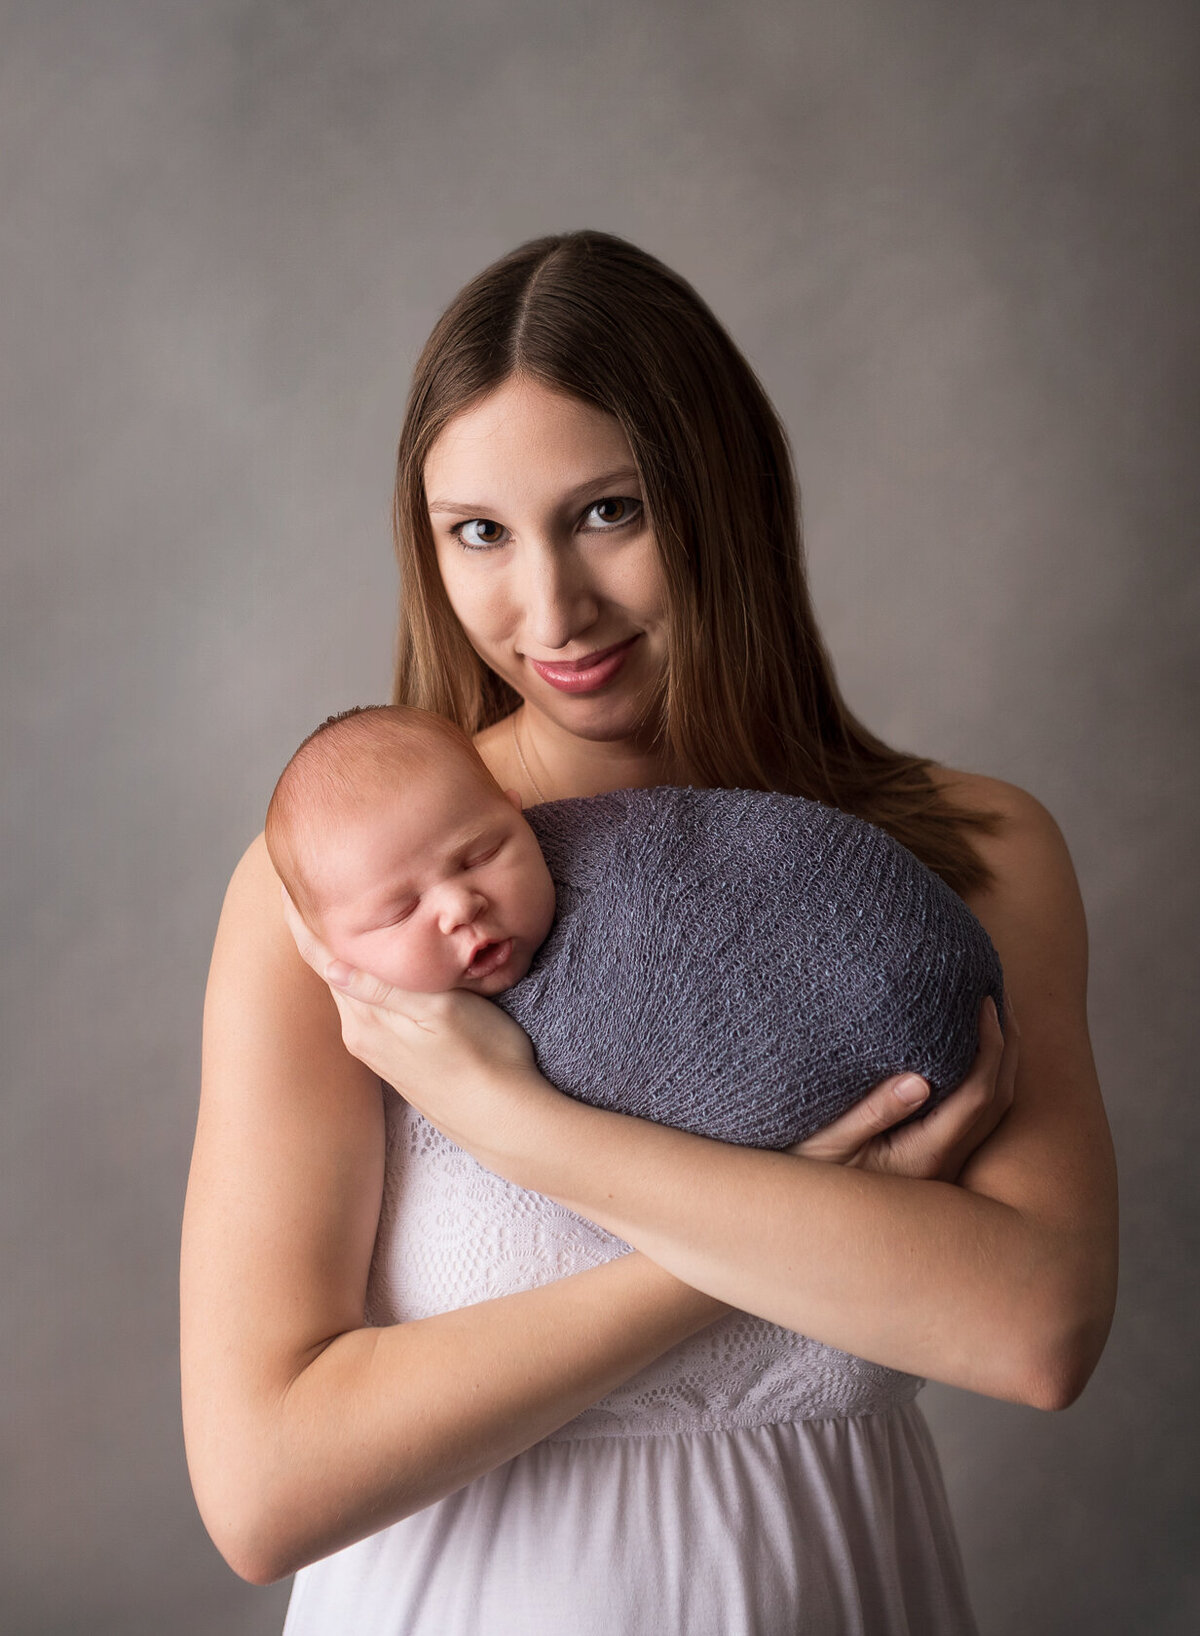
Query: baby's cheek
{"x": 380, "y": 956}
{"x": 424, "y": 967}
{"x": 407, "y": 970}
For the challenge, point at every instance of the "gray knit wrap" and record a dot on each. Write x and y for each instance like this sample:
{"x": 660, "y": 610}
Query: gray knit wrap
{"x": 745, "y": 965}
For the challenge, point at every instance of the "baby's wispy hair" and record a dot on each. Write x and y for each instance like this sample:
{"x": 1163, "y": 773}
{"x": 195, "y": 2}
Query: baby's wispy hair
{"x": 351, "y": 761}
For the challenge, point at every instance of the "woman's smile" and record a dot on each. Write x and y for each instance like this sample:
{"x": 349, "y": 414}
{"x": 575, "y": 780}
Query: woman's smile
{"x": 586, "y": 675}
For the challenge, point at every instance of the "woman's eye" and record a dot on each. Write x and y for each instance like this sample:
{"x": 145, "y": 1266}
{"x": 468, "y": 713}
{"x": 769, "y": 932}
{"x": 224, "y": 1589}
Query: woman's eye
{"x": 613, "y": 511}
{"x": 479, "y": 533}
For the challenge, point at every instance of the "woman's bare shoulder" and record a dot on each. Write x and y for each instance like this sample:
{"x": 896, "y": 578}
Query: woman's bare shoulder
{"x": 1027, "y": 827}
{"x": 987, "y": 794}
{"x": 254, "y": 873}
{"x": 1033, "y": 903}
{"x": 253, "y": 908}
{"x": 252, "y": 926}
{"x": 259, "y": 988}
{"x": 252, "y": 911}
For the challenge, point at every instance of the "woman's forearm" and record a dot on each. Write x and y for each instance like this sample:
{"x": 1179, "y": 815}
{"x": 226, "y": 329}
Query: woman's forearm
{"x": 921, "y": 1276}
{"x": 383, "y": 1422}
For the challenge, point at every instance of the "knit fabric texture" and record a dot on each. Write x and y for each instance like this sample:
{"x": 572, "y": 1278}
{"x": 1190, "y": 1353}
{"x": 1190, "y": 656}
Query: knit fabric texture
{"x": 745, "y": 965}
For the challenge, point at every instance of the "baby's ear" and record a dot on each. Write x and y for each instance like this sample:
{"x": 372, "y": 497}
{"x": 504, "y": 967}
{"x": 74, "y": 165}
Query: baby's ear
{"x": 515, "y": 797}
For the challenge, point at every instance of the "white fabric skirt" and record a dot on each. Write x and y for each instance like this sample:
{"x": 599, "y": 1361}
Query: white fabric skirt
{"x": 826, "y": 1527}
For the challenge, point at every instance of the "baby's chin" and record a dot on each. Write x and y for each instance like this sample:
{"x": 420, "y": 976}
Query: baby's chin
{"x": 489, "y": 987}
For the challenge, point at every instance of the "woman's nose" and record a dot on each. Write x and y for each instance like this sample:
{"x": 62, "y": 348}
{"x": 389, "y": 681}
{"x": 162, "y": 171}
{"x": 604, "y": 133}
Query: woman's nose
{"x": 560, "y": 602}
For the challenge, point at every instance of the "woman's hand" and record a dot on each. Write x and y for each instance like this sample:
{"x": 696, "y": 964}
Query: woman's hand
{"x": 459, "y": 1060}
{"x": 937, "y": 1147}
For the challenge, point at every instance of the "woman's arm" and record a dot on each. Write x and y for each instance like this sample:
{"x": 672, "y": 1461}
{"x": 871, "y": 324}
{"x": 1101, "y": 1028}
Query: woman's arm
{"x": 306, "y": 1430}
{"x": 1003, "y": 1284}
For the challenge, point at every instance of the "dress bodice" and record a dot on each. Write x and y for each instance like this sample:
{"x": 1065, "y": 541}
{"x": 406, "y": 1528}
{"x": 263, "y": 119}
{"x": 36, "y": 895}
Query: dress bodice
{"x": 452, "y": 1233}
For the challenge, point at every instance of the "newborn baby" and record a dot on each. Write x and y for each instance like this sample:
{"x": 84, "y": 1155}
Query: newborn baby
{"x": 737, "y": 963}
{"x": 405, "y": 857}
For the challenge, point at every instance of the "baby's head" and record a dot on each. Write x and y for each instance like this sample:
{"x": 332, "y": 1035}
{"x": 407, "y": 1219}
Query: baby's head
{"x": 405, "y": 857}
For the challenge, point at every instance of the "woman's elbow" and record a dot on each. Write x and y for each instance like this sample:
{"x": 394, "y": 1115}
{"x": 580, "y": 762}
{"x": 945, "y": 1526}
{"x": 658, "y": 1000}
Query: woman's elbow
{"x": 245, "y": 1530}
{"x": 1057, "y": 1385}
{"x": 1070, "y": 1346}
{"x": 246, "y": 1503}
{"x": 254, "y": 1566}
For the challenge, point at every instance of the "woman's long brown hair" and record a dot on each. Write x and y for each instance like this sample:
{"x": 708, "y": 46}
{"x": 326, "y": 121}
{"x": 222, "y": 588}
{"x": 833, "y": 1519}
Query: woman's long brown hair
{"x": 749, "y": 700}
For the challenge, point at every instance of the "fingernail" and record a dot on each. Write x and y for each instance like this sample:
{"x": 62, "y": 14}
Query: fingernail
{"x": 912, "y": 1090}
{"x": 338, "y": 973}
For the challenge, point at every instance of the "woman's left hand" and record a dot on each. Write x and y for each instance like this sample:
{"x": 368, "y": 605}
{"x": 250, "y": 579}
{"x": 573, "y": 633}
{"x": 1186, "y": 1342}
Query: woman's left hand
{"x": 937, "y": 1147}
{"x": 459, "y": 1060}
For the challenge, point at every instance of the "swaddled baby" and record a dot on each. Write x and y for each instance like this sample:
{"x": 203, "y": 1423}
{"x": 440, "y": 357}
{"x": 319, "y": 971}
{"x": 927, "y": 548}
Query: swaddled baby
{"x": 736, "y": 963}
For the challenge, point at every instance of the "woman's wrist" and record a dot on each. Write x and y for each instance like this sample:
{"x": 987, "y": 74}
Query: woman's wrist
{"x": 692, "y": 1308}
{"x": 537, "y": 1127}
{"x": 537, "y": 1136}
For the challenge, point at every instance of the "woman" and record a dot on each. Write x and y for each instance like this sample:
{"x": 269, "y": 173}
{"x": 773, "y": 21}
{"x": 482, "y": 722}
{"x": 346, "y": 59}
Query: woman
{"x": 602, "y": 579}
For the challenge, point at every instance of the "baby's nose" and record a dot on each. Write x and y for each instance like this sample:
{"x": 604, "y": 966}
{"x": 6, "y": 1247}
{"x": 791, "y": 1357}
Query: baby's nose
{"x": 462, "y": 907}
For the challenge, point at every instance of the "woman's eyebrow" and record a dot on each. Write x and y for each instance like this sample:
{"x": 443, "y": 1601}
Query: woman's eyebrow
{"x": 626, "y": 474}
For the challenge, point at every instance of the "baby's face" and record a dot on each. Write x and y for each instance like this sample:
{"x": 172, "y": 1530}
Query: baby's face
{"x": 443, "y": 887}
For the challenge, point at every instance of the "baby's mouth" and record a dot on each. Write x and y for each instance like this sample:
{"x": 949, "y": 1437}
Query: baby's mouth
{"x": 489, "y": 957}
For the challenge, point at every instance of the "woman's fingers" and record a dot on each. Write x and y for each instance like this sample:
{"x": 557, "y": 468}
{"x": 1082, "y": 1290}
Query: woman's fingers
{"x": 989, "y": 1085}
{"x": 937, "y": 1146}
{"x": 313, "y": 952}
{"x": 1006, "y": 1079}
{"x": 886, "y": 1105}
{"x": 343, "y": 979}
{"x": 361, "y": 986}
{"x": 978, "y": 1091}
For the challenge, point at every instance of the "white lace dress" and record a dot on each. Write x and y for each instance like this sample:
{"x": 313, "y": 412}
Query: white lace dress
{"x": 749, "y": 1483}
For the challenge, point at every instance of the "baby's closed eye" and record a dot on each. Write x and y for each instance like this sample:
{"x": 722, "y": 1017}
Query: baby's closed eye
{"x": 398, "y": 916}
{"x": 485, "y": 856}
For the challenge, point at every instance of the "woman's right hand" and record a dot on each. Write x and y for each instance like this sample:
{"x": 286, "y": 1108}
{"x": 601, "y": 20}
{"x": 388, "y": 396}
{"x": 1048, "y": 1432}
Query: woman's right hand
{"x": 937, "y": 1147}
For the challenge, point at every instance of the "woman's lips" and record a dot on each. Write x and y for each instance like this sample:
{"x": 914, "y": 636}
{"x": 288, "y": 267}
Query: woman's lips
{"x": 587, "y": 674}
{"x": 489, "y": 957}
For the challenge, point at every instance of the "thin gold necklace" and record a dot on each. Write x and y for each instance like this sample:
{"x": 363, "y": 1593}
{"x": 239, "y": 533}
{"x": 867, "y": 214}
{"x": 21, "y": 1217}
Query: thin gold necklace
{"x": 525, "y": 768}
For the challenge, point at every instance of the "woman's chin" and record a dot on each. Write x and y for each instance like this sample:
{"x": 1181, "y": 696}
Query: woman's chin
{"x": 598, "y": 718}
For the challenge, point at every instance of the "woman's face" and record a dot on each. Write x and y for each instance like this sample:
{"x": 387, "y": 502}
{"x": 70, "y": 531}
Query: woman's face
{"x": 547, "y": 556}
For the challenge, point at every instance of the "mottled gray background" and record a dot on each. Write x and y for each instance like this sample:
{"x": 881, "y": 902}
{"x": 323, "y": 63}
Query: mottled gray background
{"x": 959, "y": 241}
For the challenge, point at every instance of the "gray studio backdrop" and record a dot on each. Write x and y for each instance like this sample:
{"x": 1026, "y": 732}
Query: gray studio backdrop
{"x": 958, "y": 241}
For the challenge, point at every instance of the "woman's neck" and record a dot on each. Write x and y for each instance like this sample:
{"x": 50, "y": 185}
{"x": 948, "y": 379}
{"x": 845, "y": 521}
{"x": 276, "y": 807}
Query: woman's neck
{"x": 558, "y": 763}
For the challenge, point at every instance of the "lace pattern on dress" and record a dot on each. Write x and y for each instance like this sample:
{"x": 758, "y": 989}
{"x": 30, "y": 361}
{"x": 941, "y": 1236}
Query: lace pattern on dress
{"x": 451, "y": 1234}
